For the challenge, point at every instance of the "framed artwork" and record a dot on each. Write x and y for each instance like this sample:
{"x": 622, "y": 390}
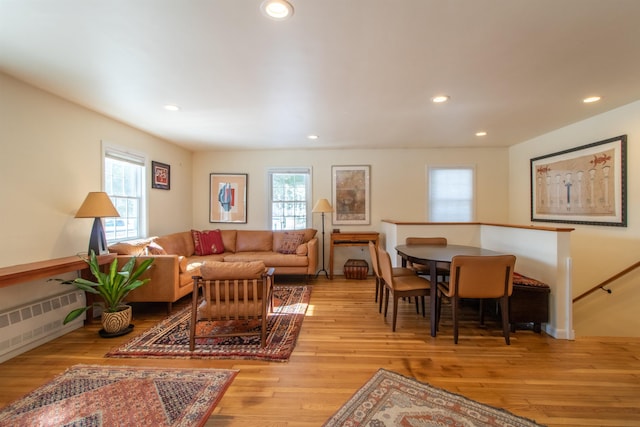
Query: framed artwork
{"x": 228, "y": 197}
{"x": 350, "y": 194}
{"x": 160, "y": 175}
{"x": 582, "y": 185}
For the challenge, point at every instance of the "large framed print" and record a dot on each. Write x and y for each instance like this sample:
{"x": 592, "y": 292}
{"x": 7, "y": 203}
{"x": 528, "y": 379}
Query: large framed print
{"x": 228, "y": 197}
{"x": 582, "y": 185}
{"x": 350, "y": 195}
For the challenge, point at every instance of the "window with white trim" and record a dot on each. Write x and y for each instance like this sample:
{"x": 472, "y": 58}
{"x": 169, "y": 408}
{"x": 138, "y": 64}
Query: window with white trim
{"x": 289, "y": 198}
{"x": 451, "y": 194}
{"x": 124, "y": 182}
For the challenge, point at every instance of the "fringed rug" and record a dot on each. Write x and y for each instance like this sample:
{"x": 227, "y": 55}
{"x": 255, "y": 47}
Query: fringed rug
{"x": 390, "y": 399}
{"x": 170, "y": 338}
{"x": 86, "y": 395}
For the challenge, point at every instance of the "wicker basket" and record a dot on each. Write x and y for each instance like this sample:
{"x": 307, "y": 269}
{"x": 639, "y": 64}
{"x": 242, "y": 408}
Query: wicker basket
{"x": 356, "y": 269}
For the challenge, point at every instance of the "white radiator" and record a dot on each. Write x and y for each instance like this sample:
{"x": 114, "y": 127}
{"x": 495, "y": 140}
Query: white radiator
{"x": 26, "y": 327}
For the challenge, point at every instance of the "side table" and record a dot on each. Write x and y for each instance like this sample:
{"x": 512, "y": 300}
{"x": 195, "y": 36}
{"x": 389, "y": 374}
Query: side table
{"x": 350, "y": 238}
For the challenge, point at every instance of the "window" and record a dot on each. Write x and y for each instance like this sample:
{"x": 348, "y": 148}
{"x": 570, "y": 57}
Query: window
{"x": 451, "y": 194}
{"x": 124, "y": 182}
{"x": 289, "y": 198}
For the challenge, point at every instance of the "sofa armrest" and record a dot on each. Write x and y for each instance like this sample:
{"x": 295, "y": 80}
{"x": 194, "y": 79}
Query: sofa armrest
{"x": 312, "y": 254}
{"x": 164, "y": 279}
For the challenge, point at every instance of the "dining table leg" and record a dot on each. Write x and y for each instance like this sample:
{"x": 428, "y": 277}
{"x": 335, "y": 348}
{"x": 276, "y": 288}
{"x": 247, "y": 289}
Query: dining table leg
{"x": 433, "y": 297}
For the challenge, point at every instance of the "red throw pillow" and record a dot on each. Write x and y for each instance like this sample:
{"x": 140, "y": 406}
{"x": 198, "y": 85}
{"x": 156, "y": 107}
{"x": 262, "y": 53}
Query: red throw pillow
{"x": 207, "y": 242}
{"x": 290, "y": 242}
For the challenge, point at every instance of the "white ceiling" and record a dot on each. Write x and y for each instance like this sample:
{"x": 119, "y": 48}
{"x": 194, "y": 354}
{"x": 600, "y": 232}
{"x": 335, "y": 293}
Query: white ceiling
{"x": 358, "y": 73}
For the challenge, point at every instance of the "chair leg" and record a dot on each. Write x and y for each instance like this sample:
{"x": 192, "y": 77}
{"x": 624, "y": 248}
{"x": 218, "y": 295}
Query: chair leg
{"x": 504, "y": 307}
{"x": 386, "y": 300}
{"x": 395, "y": 312}
{"x": 424, "y": 309}
{"x": 194, "y": 316}
{"x": 377, "y": 288}
{"x": 417, "y": 306}
{"x": 454, "y": 312}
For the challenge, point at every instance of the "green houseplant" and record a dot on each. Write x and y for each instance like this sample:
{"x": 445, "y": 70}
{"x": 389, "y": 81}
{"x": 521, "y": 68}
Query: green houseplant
{"x": 113, "y": 286}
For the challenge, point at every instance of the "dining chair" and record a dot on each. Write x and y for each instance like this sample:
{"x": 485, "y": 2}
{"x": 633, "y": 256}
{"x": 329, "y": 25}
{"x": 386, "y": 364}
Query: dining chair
{"x": 396, "y": 271}
{"x": 442, "y": 268}
{"x": 231, "y": 291}
{"x": 479, "y": 277}
{"x": 400, "y": 286}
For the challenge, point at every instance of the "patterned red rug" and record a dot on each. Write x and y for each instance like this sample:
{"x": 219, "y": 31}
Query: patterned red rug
{"x": 87, "y": 395}
{"x": 170, "y": 338}
{"x": 390, "y": 399}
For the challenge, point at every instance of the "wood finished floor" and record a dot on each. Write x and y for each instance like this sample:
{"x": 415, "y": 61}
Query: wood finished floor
{"x": 586, "y": 382}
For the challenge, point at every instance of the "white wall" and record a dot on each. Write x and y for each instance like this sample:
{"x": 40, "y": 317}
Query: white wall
{"x": 598, "y": 252}
{"x": 50, "y": 158}
{"x": 398, "y": 184}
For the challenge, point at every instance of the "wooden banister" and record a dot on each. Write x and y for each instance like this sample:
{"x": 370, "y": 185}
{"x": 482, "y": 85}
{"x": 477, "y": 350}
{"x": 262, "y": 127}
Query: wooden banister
{"x": 606, "y": 282}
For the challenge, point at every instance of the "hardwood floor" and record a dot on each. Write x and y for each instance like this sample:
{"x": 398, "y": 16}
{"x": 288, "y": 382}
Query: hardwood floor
{"x": 586, "y": 382}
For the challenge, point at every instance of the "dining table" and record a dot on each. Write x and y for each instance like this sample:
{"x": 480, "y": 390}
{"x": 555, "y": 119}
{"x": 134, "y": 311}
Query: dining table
{"x": 431, "y": 255}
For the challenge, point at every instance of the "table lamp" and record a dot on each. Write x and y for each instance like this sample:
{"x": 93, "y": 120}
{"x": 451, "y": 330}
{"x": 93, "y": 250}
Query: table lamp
{"x": 322, "y": 206}
{"x": 97, "y": 205}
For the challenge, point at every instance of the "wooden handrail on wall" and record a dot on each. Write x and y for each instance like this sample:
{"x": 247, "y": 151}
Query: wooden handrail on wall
{"x": 606, "y": 282}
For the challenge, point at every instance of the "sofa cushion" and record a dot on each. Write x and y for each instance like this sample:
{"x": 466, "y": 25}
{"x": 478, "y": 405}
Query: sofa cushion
{"x": 271, "y": 259}
{"x": 130, "y": 247}
{"x": 177, "y": 243}
{"x": 155, "y": 249}
{"x": 288, "y": 242}
{"x": 207, "y": 242}
{"x": 229, "y": 240}
{"x": 215, "y": 270}
{"x": 253, "y": 240}
{"x": 309, "y": 233}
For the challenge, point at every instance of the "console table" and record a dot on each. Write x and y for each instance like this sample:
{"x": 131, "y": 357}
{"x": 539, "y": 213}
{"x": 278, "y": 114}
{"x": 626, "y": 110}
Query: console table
{"x": 43, "y": 269}
{"x": 350, "y": 238}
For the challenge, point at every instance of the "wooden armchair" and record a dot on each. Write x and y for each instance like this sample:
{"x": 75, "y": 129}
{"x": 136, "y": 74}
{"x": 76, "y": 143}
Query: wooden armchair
{"x": 232, "y": 291}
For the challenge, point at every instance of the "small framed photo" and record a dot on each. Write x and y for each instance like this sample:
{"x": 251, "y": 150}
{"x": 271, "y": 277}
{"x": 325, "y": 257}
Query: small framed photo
{"x": 228, "y": 197}
{"x": 160, "y": 175}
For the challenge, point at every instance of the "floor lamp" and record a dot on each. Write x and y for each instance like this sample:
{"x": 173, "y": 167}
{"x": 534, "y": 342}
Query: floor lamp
{"x": 322, "y": 206}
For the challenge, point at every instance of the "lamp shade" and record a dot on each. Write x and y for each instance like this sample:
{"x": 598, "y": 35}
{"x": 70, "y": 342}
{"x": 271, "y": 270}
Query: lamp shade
{"x": 322, "y": 205}
{"x": 97, "y": 205}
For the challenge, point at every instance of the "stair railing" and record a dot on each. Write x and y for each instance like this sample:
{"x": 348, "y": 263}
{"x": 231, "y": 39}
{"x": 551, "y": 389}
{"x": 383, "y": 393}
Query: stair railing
{"x": 606, "y": 282}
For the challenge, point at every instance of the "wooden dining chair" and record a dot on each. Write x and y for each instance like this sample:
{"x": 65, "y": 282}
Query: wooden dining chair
{"x": 396, "y": 271}
{"x": 400, "y": 286}
{"x": 479, "y": 277}
{"x": 442, "y": 268}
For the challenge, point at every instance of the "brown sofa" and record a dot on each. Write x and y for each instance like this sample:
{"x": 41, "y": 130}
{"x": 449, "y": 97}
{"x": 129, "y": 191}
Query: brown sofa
{"x": 176, "y": 261}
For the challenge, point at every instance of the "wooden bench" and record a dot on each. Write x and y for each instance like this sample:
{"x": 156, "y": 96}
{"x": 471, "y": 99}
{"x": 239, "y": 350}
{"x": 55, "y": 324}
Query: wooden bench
{"x": 529, "y": 302}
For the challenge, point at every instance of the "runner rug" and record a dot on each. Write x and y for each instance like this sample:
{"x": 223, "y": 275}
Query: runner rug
{"x": 88, "y": 395}
{"x": 170, "y": 338}
{"x": 390, "y": 399}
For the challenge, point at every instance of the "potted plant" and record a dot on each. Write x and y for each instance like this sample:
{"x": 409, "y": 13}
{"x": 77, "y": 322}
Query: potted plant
{"x": 113, "y": 286}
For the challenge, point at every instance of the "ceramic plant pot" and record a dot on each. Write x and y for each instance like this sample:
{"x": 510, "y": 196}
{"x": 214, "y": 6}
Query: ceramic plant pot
{"x": 118, "y": 321}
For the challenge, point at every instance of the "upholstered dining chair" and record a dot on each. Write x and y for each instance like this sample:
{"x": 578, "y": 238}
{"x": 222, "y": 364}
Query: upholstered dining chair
{"x": 231, "y": 291}
{"x": 396, "y": 271}
{"x": 400, "y": 286}
{"x": 442, "y": 268}
{"x": 479, "y": 277}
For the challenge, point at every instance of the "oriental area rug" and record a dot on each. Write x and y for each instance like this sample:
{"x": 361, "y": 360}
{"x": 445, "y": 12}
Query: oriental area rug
{"x": 88, "y": 395}
{"x": 391, "y": 399}
{"x": 170, "y": 338}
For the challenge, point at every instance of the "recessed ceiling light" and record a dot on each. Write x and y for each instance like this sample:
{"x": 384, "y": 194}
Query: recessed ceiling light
{"x": 171, "y": 107}
{"x": 277, "y": 9}
{"x": 440, "y": 99}
{"x": 591, "y": 99}
{"x": 313, "y": 137}
{"x": 481, "y": 133}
